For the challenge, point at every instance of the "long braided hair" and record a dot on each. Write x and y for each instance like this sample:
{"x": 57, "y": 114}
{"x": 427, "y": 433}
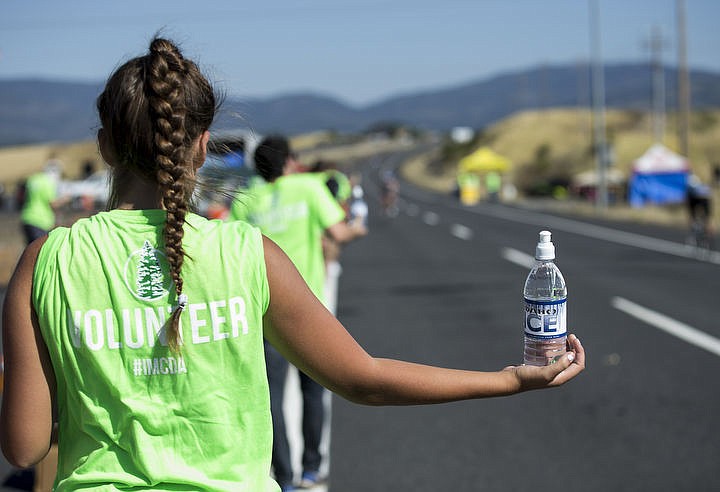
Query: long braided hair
{"x": 153, "y": 109}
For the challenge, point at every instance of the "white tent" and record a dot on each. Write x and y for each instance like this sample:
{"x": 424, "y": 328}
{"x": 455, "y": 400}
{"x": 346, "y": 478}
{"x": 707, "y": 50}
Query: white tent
{"x": 659, "y": 176}
{"x": 660, "y": 159}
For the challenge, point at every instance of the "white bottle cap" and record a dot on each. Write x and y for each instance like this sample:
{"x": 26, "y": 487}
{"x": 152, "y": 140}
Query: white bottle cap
{"x": 357, "y": 192}
{"x": 545, "y": 249}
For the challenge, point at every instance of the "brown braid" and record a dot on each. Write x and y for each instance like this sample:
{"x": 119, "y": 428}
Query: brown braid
{"x": 153, "y": 110}
{"x": 167, "y": 105}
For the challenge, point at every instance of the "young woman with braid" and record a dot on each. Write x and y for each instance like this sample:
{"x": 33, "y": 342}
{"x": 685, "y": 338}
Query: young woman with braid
{"x": 140, "y": 330}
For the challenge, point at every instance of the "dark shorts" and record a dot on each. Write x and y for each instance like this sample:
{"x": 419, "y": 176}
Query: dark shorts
{"x": 32, "y": 233}
{"x": 699, "y": 207}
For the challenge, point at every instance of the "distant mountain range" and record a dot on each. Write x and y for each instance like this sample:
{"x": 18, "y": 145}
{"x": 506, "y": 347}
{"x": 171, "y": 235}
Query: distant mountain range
{"x": 33, "y": 111}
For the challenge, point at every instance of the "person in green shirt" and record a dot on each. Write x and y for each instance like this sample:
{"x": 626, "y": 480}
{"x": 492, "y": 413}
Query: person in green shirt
{"x": 336, "y": 181}
{"x": 341, "y": 189}
{"x": 140, "y": 330}
{"x": 493, "y": 184}
{"x": 38, "y": 211}
{"x": 294, "y": 209}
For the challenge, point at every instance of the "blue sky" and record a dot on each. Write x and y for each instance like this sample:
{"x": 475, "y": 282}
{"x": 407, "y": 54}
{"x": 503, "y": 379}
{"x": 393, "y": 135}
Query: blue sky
{"x": 359, "y": 51}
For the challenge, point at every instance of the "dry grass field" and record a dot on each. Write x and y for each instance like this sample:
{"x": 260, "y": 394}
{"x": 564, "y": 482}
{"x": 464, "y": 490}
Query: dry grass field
{"x": 17, "y": 163}
{"x": 11, "y": 245}
{"x": 565, "y": 133}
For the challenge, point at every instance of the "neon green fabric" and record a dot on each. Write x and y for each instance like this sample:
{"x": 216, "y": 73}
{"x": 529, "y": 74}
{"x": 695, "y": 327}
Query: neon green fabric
{"x": 344, "y": 188}
{"x": 132, "y": 414}
{"x": 40, "y": 191}
{"x": 493, "y": 182}
{"x": 293, "y": 211}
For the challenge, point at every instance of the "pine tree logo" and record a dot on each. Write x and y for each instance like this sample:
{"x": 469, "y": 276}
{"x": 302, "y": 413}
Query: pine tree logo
{"x": 146, "y": 273}
{"x": 149, "y": 278}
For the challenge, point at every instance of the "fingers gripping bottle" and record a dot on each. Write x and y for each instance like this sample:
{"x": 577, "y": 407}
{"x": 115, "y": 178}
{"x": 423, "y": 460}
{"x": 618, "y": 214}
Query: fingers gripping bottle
{"x": 545, "y": 307}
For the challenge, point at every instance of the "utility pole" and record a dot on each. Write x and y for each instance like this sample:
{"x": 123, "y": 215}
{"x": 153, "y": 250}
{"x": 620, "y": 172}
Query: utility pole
{"x": 598, "y": 98}
{"x": 683, "y": 80}
{"x": 658, "y": 76}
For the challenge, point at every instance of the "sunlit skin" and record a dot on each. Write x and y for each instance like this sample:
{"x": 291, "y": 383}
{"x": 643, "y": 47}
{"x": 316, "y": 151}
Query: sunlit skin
{"x": 295, "y": 322}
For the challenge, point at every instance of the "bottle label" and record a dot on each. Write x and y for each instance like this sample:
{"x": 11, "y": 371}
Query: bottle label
{"x": 545, "y": 320}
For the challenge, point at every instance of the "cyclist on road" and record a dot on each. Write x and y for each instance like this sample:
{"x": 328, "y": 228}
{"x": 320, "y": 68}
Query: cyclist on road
{"x": 698, "y": 199}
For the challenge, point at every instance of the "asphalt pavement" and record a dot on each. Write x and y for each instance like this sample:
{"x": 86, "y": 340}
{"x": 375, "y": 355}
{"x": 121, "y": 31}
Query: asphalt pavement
{"x": 441, "y": 283}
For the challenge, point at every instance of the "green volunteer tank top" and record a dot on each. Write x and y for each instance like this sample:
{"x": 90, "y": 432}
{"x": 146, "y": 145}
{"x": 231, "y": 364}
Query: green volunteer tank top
{"x": 133, "y": 414}
{"x": 344, "y": 188}
{"x": 293, "y": 211}
{"x": 40, "y": 191}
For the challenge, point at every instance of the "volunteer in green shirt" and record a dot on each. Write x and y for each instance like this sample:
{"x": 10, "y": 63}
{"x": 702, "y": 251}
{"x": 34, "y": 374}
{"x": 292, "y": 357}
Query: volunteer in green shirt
{"x": 139, "y": 330}
{"x": 38, "y": 210}
{"x": 294, "y": 210}
{"x": 116, "y": 337}
{"x": 336, "y": 181}
{"x": 341, "y": 189}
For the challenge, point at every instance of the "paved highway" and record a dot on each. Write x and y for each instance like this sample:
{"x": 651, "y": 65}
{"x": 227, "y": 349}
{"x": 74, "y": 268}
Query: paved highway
{"x": 441, "y": 284}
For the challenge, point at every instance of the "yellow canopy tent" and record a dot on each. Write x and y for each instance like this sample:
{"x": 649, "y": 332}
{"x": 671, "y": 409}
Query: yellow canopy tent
{"x": 483, "y": 160}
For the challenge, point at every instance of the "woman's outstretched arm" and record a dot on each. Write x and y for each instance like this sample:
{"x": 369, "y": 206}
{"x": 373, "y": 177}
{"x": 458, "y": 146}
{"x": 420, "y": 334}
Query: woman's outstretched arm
{"x": 29, "y": 386}
{"x": 313, "y": 340}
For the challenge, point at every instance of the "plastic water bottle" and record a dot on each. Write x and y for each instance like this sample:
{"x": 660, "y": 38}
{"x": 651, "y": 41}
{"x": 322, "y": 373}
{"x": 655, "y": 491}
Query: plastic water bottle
{"x": 545, "y": 307}
{"x": 358, "y": 206}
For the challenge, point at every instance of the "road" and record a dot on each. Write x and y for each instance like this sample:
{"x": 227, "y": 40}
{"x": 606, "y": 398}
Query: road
{"x": 441, "y": 284}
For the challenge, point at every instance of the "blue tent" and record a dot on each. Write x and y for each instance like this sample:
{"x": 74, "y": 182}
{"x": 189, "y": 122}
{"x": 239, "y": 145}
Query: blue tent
{"x": 659, "y": 176}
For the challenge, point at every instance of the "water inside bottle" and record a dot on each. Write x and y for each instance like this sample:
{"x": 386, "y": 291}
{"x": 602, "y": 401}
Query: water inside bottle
{"x": 543, "y": 352}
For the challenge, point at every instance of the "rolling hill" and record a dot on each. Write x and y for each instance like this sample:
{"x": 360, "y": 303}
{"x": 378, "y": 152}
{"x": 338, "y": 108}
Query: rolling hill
{"x": 33, "y": 111}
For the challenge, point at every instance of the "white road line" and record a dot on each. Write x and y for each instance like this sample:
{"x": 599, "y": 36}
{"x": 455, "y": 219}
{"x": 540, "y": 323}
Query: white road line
{"x": 461, "y": 232}
{"x": 597, "y": 232}
{"x": 517, "y": 257}
{"x": 668, "y": 325}
{"x": 431, "y": 218}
